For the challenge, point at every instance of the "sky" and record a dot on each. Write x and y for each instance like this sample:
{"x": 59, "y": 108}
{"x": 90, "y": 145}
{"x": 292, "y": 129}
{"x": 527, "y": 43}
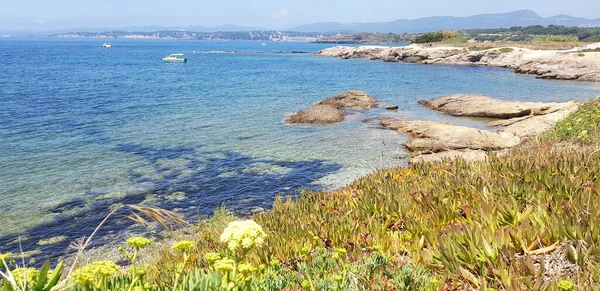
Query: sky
{"x": 45, "y": 15}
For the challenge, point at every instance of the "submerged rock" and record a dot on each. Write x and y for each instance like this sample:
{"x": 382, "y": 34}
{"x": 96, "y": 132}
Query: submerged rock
{"x": 318, "y": 114}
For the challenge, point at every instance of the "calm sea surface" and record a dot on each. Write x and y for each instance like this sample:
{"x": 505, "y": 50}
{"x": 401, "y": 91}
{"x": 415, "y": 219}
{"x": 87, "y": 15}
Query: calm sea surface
{"x": 85, "y": 129}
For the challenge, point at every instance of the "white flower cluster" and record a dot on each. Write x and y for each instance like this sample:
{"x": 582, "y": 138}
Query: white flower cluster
{"x": 243, "y": 235}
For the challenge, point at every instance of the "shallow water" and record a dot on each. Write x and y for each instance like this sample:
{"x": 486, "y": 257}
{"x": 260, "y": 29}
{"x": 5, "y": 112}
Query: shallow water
{"x": 84, "y": 128}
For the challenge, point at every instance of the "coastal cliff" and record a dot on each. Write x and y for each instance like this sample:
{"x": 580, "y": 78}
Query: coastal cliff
{"x": 549, "y": 64}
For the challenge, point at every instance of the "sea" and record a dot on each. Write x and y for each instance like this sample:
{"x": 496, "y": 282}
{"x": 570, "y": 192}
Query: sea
{"x": 85, "y": 130}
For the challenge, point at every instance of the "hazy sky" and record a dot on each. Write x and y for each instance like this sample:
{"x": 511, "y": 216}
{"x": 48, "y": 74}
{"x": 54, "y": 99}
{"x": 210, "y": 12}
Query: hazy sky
{"x": 61, "y": 14}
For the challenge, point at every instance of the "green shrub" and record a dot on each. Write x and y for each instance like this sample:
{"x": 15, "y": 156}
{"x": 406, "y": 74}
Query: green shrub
{"x": 582, "y": 125}
{"x": 556, "y": 38}
{"x": 506, "y": 50}
{"x": 438, "y": 36}
{"x": 455, "y": 39}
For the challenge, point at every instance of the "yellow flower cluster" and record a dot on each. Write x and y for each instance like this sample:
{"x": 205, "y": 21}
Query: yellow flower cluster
{"x": 243, "y": 235}
{"x": 183, "y": 246}
{"x": 565, "y": 285}
{"x": 224, "y": 265}
{"x": 29, "y": 276}
{"x": 138, "y": 242}
{"x": 212, "y": 257}
{"x": 87, "y": 275}
{"x": 245, "y": 271}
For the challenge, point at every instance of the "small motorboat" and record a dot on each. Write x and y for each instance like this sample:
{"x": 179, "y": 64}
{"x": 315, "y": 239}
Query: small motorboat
{"x": 175, "y": 58}
{"x": 106, "y": 45}
{"x": 264, "y": 43}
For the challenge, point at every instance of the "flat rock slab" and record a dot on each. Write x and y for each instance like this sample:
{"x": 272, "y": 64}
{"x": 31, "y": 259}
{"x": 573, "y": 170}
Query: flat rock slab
{"x": 351, "y": 100}
{"x": 536, "y": 125}
{"x": 476, "y": 105}
{"x": 318, "y": 114}
{"x": 434, "y": 137}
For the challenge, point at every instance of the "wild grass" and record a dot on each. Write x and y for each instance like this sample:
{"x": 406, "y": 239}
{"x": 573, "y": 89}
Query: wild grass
{"x": 526, "y": 220}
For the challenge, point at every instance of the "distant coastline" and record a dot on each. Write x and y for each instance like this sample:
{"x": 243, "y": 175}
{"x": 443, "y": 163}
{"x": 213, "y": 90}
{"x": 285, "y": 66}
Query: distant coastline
{"x": 190, "y": 35}
{"x": 581, "y": 64}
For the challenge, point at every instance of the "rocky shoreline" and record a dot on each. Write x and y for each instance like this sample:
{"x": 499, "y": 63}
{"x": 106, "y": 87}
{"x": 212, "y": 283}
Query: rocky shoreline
{"x": 437, "y": 141}
{"x": 547, "y": 64}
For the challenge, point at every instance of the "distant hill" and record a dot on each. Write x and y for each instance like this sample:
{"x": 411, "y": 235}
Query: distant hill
{"x": 481, "y": 21}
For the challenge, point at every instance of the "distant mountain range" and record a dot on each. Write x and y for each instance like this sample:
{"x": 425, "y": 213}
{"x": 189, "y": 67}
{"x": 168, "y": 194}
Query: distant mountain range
{"x": 427, "y": 24}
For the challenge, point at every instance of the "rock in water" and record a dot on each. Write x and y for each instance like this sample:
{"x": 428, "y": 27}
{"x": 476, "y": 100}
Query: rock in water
{"x": 433, "y": 137}
{"x": 476, "y": 105}
{"x": 328, "y": 110}
{"x": 318, "y": 114}
{"x": 351, "y": 100}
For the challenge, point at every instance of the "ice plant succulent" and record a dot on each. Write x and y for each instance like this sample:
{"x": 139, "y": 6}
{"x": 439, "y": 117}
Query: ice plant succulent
{"x": 243, "y": 235}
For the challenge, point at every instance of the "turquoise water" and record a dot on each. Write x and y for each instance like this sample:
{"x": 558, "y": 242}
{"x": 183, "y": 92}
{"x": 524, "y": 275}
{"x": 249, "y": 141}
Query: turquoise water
{"x": 83, "y": 129}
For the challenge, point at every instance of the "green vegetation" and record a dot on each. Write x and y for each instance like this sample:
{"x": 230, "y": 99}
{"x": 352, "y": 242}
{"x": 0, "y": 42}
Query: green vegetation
{"x": 527, "y": 33}
{"x": 582, "y": 125}
{"x": 556, "y": 38}
{"x": 527, "y": 220}
{"x": 597, "y": 50}
{"x": 480, "y": 48}
{"x": 440, "y": 36}
{"x": 506, "y": 50}
{"x": 373, "y": 38}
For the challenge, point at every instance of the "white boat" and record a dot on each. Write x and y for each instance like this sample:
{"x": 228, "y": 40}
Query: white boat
{"x": 174, "y": 58}
{"x": 106, "y": 45}
{"x": 264, "y": 43}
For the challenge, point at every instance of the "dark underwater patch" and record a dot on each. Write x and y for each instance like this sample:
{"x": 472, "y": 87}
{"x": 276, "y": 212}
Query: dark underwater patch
{"x": 211, "y": 180}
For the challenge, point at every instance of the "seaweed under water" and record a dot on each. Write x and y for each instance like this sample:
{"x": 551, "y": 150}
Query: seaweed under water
{"x": 207, "y": 181}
